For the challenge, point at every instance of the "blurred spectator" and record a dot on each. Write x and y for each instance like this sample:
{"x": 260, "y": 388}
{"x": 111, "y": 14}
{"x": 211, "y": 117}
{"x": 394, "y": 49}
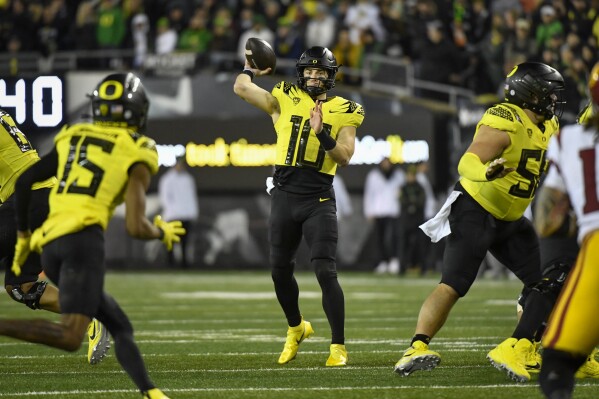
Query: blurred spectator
{"x": 196, "y": 38}
{"x": 245, "y": 21}
{"x": 272, "y": 13}
{"x": 110, "y": 30}
{"x": 439, "y": 62}
{"x": 363, "y": 15}
{"x": 166, "y": 38}
{"x": 342, "y": 198}
{"x": 412, "y": 239}
{"x": 419, "y": 15}
{"x": 347, "y": 54}
{"x": 478, "y": 23}
{"x": 18, "y": 21}
{"x": 381, "y": 207}
{"x": 178, "y": 198}
{"x": 177, "y": 13}
{"x": 84, "y": 32}
{"x": 258, "y": 30}
{"x": 520, "y": 44}
{"x": 287, "y": 45}
{"x": 52, "y": 32}
{"x": 321, "y": 28}
{"x": 140, "y": 28}
{"x": 548, "y": 27}
{"x": 223, "y": 40}
{"x": 394, "y": 23}
{"x": 575, "y": 74}
{"x": 580, "y": 18}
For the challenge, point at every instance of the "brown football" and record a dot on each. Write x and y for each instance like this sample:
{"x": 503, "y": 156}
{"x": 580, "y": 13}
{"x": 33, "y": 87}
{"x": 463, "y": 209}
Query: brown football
{"x": 260, "y": 54}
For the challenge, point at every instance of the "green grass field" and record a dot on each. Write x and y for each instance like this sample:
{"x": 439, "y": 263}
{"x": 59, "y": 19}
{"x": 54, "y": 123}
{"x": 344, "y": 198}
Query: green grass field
{"x": 218, "y": 335}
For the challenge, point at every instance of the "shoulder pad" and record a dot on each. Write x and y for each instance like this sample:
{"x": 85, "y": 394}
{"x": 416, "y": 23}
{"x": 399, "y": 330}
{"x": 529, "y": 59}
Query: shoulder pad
{"x": 147, "y": 152}
{"x": 504, "y": 112}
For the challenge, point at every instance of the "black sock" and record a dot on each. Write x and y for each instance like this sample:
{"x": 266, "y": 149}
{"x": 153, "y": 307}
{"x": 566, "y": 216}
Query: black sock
{"x": 333, "y": 303}
{"x": 421, "y": 337}
{"x": 287, "y": 292}
{"x": 536, "y": 311}
{"x": 128, "y": 355}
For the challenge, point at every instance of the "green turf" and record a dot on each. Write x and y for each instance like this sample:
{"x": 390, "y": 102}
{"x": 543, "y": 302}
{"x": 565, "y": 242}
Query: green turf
{"x": 218, "y": 335}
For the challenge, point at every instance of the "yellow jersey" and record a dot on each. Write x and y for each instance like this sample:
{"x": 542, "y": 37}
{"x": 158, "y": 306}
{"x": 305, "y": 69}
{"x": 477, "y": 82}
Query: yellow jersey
{"x": 93, "y": 171}
{"x": 297, "y": 146}
{"x": 507, "y": 198}
{"x": 16, "y": 155}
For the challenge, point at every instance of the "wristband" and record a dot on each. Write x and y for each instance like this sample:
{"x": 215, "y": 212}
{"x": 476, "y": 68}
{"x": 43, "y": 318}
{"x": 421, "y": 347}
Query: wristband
{"x": 472, "y": 168}
{"x": 328, "y": 143}
{"x": 249, "y": 73}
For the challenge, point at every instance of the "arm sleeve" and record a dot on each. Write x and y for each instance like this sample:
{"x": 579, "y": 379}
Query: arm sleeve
{"x": 472, "y": 168}
{"x": 42, "y": 170}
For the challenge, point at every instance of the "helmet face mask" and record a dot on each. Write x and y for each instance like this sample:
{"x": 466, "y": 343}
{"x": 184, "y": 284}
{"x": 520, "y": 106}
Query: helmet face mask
{"x": 120, "y": 100}
{"x": 537, "y": 87}
{"x": 320, "y": 58}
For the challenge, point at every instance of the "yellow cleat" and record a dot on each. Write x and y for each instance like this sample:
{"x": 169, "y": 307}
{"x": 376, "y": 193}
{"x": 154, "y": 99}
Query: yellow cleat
{"x": 295, "y": 336}
{"x": 154, "y": 393}
{"x": 511, "y": 355}
{"x": 417, "y": 357}
{"x": 590, "y": 368}
{"x": 533, "y": 361}
{"x": 99, "y": 342}
{"x": 338, "y": 356}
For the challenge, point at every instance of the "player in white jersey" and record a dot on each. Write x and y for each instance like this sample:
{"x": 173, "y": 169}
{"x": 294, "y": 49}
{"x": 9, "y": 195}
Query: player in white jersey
{"x": 573, "y": 328}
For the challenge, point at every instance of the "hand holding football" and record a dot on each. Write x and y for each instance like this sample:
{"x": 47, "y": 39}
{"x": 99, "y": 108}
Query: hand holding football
{"x": 259, "y": 54}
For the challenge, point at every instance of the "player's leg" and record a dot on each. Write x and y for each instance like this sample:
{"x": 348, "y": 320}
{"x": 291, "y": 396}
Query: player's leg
{"x": 472, "y": 231}
{"x": 25, "y": 288}
{"x": 519, "y": 251}
{"x": 64, "y": 267}
{"x": 320, "y": 231}
{"x": 573, "y": 329}
{"x": 285, "y": 237}
{"x": 126, "y": 350}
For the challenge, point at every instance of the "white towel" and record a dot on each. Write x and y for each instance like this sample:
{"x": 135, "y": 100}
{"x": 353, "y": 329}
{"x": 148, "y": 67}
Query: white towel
{"x": 438, "y": 227}
{"x": 269, "y": 185}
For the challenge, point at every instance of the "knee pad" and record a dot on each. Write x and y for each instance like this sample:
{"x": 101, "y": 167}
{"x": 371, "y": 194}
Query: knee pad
{"x": 32, "y": 298}
{"x": 325, "y": 269}
{"x": 554, "y": 277}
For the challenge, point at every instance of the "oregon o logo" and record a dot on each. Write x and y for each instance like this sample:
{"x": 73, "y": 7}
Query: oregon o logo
{"x": 315, "y": 61}
{"x": 117, "y": 90}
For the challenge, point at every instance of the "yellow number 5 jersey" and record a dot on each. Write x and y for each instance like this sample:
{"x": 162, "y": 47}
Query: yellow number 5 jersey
{"x": 93, "y": 171}
{"x": 507, "y": 198}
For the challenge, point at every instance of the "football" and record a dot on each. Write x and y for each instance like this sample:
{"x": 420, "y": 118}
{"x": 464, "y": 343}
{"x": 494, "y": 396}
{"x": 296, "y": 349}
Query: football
{"x": 260, "y": 54}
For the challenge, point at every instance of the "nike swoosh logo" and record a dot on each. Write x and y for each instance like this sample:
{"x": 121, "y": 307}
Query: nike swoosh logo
{"x": 93, "y": 334}
{"x": 323, "y": 199}
{"x": 298, "y": 341}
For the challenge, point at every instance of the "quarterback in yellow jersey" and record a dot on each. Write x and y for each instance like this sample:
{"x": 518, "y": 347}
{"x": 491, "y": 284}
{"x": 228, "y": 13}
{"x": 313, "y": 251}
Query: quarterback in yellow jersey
{"x": 315, "y": 134}
{"x": 573, "y": 328}
{"x": 98, "y": 165}
{"x": 499, "y": 174}
{"x": 17, "y": 155}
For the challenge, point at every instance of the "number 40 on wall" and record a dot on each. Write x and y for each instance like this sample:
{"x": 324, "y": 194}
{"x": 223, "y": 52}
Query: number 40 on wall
{"x": 40, "y": 99}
